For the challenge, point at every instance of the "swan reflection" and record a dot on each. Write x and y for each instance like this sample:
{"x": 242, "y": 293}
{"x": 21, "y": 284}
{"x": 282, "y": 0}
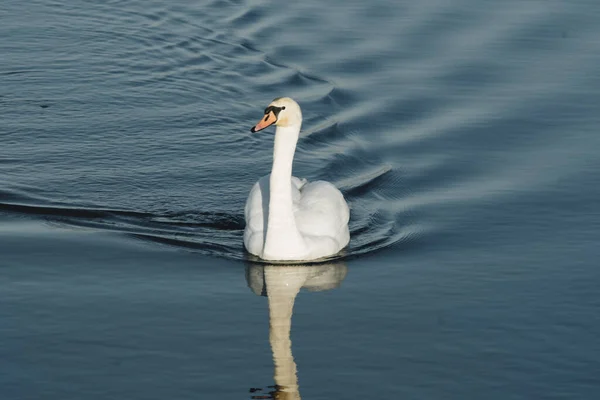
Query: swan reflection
{"x": 281, "y": 284}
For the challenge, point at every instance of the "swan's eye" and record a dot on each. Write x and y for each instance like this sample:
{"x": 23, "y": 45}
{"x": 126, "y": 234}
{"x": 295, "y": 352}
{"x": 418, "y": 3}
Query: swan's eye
{"x": 283, "y": 107}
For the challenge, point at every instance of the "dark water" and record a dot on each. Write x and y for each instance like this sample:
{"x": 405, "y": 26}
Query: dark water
{"x": 464, "y": 135}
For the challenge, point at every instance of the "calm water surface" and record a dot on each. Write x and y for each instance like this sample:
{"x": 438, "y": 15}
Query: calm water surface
{"x": 463, "y": 134}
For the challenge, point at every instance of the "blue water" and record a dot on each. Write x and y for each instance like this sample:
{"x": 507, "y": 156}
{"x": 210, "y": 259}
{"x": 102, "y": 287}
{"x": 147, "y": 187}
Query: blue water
{"x": 463, "y": 134}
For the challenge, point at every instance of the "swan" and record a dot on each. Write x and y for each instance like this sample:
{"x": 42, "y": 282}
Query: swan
{"x": 288, "y": 218}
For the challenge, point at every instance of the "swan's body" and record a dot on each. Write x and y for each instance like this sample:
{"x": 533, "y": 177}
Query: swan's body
{"x": 286, "y": 217}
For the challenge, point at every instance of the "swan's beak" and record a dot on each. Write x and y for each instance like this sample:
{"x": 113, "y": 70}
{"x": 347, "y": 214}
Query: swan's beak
{"x": 269, "y": 119}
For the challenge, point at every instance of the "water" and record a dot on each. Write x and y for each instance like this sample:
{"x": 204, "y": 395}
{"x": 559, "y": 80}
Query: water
{"x": 463, "y": 134}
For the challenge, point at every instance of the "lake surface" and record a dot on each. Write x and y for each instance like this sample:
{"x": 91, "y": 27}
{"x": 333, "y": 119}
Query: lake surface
{"x": 464, "y": 135}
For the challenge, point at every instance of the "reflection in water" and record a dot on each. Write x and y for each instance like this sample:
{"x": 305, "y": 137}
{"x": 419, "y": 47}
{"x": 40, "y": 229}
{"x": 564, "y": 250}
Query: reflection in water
{"x": 281, "y": 284}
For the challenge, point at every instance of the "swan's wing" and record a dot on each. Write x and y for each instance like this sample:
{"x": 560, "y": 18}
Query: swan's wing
{"x": 298, "y": 183}
{"x": 322, "y": 211}
{"x": 255, "y": 213}
{"x": 254, "y": 204}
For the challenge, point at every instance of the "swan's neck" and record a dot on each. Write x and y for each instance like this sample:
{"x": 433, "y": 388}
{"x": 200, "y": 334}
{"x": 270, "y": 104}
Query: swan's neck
{"x": 283, "y": 240}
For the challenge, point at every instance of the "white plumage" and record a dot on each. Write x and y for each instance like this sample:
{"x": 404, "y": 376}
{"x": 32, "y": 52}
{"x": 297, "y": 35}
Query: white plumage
{"x": 288, "y": 218}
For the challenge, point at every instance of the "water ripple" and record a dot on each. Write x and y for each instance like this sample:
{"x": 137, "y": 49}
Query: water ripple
{"x": 133, "y": 116}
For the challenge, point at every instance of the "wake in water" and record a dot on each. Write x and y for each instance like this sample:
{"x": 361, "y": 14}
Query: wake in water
{"x": 216, "y": 233}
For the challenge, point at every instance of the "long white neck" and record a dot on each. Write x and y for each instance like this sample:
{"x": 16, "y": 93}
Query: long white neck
{"x": 283, "y": 240}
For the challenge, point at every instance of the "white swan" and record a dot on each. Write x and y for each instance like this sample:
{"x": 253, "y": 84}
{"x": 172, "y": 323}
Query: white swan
{"x": 286, "y": 217}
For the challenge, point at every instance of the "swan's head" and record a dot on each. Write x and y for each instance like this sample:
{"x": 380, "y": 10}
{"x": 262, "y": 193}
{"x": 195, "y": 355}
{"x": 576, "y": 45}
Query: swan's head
{"x": 282, "y": 111}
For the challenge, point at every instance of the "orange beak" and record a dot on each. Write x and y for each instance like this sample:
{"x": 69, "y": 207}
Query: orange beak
{"x": 269, "y": 119}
